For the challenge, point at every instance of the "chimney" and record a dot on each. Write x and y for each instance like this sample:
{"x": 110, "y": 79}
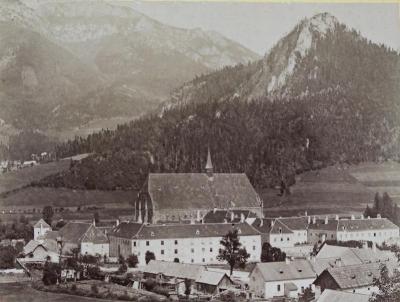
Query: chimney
{"x": 232, "y": 216}
{"x": 117, "y": 222}
{"x": 209, "y": 166}
{"x": 140, "y": 213}
{"x": 378, "y": 216}
{"x": 338, "y": 262}
{"x": 305, "y": 213}
{"x": 352, "y": 217}
{"x": 287, "y": 260}
{"x": 326, "y": 219}
{"x": 362, "y": 216}
{"x": 94, "y": 222}
{"x": 369, "y": 217}
{"x": 214, "y": 210}
{"x": 261, "y": 222}
{"x": 309, "y": 219}
{"x": 314, "y": 220}
{"x": 337, "y": 217}
{"x": 242, "y": 219}
{"x": 272, "y": 223}
{"x": 198, "y": 215}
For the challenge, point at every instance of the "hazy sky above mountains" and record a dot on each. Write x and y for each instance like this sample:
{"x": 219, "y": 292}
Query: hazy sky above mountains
{"x": 259, "y": 26}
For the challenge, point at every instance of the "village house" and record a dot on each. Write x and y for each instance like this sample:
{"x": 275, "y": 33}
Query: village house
{"x": 37, "y": 252}
{"x": 78, "y": 235}
{"x": 186, "y": 243}
{"x": 358, "y": 278}
{"x": 172, "y": 276}
{"x": 281, "y": 279}
{"x": 40, "y": 229}
{"x": 282, "y": 232}
{"x": 175, "y": 197}
{"x": 330, "y": 256}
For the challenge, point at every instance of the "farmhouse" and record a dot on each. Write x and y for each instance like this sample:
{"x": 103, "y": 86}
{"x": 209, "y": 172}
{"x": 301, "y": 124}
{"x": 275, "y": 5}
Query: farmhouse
{"x": 278, "y": 279}
{"x": 331, "y": 256}
{"x": 186, "y": 243}
{"x": 85, "y": 236}
{"x": 358, "y": 278}
{"x": 172, "y": 275}
{"x": 36, "y": 251}
{"x": 175, "y": 197}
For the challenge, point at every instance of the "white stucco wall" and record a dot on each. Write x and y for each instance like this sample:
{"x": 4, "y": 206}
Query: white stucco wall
{"x": 377, "y": 236}
{"x": 271, "y": 288}
{"x": 192, "y": 250}
{"x": 89, "y": 248}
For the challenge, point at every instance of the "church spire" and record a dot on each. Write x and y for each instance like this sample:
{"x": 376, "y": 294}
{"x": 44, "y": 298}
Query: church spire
{"x": 209, "y": 166}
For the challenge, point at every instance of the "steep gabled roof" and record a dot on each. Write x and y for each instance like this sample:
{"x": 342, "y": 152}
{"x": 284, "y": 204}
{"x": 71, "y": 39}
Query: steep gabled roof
{"x": 173, "y": 269}
{"x": 211, "y": 277}
{"x": 354, "y": 276}
{"x": 73, "y": 231}
{"x": 126, "y": 230}
{"x": 332, "y": 225}
{"x": 94, "y": 235}
{"x": 198, "y": 191}
{"x": 282, "y": 271}
{"x": 43, "y": 223}
{"x": 339, "y": 296}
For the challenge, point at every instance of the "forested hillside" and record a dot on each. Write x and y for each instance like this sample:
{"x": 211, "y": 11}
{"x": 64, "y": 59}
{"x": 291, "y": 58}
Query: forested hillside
{"x": 338, "y": 103}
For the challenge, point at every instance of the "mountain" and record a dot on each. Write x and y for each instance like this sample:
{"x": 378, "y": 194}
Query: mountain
{"x": 319, "y": 54}
{"x": 67, "y": 63}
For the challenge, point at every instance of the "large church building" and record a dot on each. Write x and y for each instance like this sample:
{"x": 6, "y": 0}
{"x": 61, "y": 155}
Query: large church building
{"x": 176, "y": 197}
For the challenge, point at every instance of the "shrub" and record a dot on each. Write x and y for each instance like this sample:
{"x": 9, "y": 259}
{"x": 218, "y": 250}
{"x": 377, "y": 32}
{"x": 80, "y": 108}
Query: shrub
{"x": 149, "y": 284}
{"x": 161, "y": 291}
{"x": 94, "y": 289}
{"x": 73, "y": 287}
{"x": 132, "y": 260}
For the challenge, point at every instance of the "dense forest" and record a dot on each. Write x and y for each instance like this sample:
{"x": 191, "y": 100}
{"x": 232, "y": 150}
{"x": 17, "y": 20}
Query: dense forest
{"x": 341, "y": 104}
{"x": 384, "y": 206}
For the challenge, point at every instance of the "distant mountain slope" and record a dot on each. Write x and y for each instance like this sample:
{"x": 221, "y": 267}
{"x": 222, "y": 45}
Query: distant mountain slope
{"x": 76, "y": 61}
{"x": 338, "y": 103}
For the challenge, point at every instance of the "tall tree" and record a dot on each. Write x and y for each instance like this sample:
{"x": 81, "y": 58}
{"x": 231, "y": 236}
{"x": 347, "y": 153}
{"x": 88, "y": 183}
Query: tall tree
{"x": 232, "y": 252}
{"x": 388, "y": 285}
{"x": 271, "y": 254}
{"x": 47, "y": 214}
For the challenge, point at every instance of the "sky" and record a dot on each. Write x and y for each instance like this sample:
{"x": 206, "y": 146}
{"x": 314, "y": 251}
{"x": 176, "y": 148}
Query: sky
{"x": 258, "y": 26}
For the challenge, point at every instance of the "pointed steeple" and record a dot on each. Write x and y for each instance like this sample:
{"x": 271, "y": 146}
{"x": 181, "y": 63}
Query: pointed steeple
{"x": 209, "y": 166}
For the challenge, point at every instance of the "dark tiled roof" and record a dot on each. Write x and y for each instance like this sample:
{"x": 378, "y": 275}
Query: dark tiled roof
{"x": 338, "y": 296}
{"x": 172, "y": 269}
{"x": 265, "y": 228}
{"x": 126, "y": 230}
{"x": 366, "y": 224}
{"x": 73, "y": 231}
{"x": 280, "y": 228}
{"x": 353, "y": 276}
{"x": 320, "y": 225}
{"x": 41, "y": 222}
{"x": 221, "y": 215}
{"x": 197, "y": 191}
{"x": 93, "y": 234}
{"x": 295, "y": 223}
{"x": 193, "y": 230}
{"x": 280, "y": 271}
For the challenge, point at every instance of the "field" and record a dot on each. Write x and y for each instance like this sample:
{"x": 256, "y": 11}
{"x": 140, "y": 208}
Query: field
{"x": 14, "y": 180}
{"x": 20, "y": 292}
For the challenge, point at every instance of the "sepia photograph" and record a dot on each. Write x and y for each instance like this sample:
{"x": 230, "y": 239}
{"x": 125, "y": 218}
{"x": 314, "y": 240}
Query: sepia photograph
{"x": 205, "y": 151}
